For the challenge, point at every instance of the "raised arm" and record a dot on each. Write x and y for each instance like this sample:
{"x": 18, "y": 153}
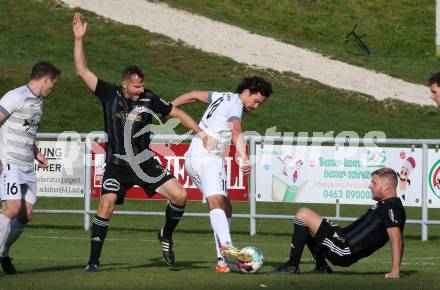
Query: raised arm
{"x": 397, "y": 246}
{"x": 79, "y": 30}
{"x": 191, "y": 97}
{"x": 240, "y": 145}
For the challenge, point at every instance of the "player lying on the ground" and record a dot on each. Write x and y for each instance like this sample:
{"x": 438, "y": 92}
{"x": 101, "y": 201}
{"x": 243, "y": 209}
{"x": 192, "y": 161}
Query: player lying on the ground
{"x": 345, "y": 246}
{"x": 221, "y": 121}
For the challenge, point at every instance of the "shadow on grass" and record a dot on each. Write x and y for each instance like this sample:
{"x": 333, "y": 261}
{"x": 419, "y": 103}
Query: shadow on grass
{"x": 372, "y": 273}
{"x": 208, "y": 230}
{"x": 159, "y": 263}
{"x": 58, "y": 268}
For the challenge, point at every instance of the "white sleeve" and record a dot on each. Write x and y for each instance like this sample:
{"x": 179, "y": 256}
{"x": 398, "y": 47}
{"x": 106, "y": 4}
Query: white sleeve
{"x": 10, "y": 103}
{"x": 234, "y": 111}
{"x": 212, "y": 96}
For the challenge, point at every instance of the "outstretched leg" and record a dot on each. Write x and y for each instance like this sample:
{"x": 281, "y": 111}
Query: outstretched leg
{"x": 306, "y": 224}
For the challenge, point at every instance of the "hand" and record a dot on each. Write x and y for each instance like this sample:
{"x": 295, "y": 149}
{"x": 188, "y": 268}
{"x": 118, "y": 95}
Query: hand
{"x": 42, "y": 160}
{"x": 209, "y": 142}
{"x": 246, "y": 167}
{"x": 79, "y": 28}
{"x": 392, "y": 275}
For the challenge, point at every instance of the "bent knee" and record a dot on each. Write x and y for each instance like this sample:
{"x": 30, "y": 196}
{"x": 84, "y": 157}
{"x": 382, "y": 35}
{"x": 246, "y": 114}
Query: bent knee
{"x": 302, "y": 213}
{"x": 180, "y": 198}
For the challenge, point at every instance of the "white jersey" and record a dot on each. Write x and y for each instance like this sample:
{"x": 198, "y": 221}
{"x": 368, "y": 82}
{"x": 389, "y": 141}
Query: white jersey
{"x": 222, "y": 109}
{"x": 17, "y": 134}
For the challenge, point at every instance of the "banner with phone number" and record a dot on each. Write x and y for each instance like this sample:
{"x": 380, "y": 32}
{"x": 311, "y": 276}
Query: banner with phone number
{"x": 324, "y": 174}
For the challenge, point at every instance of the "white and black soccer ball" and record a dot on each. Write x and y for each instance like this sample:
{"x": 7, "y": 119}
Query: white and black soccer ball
{"x": 257, "y": 260}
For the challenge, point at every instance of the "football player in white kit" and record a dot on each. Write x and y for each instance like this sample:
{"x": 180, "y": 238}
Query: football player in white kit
{"x": 222, "y": 122}
{"x": 20, "y": 114}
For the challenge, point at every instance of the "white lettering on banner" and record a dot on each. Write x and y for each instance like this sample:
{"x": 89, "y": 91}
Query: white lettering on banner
{"x": 179, "y": 171}
{"x": 237, "y": 183}
{"x": 176, "y": 166}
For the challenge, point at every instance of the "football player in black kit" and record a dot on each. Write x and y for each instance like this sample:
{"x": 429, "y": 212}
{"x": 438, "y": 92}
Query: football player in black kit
{"x": 128, "y": 112}
{"x": 345, "y": 246}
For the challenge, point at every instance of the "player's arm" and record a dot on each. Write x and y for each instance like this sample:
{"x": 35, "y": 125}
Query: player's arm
{"x": 3, "y": 117}
{"x": 397, "y": 246}
{"x": 42, "y": 160}
{"x": 189, "y": 123}
{"x": 81, "y": 69}
{"x": 240, "y": 145}
{"x": 191, "y": 97}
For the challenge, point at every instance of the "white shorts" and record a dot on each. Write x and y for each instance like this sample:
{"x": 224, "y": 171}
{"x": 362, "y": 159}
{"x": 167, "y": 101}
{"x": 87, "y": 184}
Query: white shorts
{"x": 207, "y": 173}
{"x": 17, "y": 182}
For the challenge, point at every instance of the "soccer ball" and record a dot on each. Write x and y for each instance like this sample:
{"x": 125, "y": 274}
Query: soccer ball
{"x": 257, "y": 260}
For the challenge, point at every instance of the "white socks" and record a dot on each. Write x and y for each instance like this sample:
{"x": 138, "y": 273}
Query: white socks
{"x": 16, "y": 229}
{"x": 217, "y": 242}
{"x": 5, "y": 227}
{"x": 219, "y": 224}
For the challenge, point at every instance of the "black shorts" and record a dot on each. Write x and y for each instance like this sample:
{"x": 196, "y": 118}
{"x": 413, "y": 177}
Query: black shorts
{"x": 118, "y": 179}
{"x": 332, "y": 244}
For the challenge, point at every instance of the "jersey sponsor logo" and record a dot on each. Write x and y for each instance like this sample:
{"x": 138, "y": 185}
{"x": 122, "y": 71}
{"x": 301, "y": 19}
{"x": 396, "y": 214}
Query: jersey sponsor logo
{"x": 111, "y": 184}
{"x": 129, "y": 116}
{"x": 140, "y": 109}
{"x": 32, "y": 123}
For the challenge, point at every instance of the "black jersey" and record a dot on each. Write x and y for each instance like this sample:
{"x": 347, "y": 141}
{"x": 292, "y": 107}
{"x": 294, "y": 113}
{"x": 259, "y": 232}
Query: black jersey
{"x": 369, "y": 233}
{"x": 118, "y": 110}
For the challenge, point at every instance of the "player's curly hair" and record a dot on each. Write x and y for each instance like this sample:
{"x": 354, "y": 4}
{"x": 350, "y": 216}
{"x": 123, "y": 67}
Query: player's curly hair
{"x": 255, "y": 85}
{"x": 434, "y": 79}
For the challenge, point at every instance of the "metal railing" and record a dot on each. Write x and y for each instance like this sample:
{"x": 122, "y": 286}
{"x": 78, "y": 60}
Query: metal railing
{"x": 253, "y": 141}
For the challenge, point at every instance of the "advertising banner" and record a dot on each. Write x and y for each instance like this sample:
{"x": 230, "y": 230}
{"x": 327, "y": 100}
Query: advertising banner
{"x": 65, "y": 175}
{"x": 433, "y": 178}
{"x": 172, "y": 158}
{"x": 326, "y": 174}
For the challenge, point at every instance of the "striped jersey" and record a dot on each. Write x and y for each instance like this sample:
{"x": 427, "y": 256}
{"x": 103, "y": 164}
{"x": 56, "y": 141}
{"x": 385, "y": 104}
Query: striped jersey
{"x": 222, "y": 109}
{"x": 24, "y": 111}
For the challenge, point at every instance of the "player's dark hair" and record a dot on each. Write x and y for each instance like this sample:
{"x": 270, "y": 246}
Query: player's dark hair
{"x": 44, "y": 68}
{"x": 387, "y": 173}
{"x": 434, "y": 79}
{"x": 255, "y": 85}
{"x": 130, "y": 71}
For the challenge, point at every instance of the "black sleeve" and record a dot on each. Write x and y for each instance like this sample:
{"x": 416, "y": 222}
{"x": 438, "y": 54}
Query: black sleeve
{"x": 159, "y": 105}
{"x": 104, "y": 91}
{"x": 392, "y": 215}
